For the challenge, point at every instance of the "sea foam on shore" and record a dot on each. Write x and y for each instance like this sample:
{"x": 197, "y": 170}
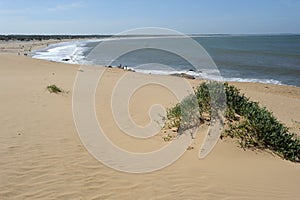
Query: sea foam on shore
{"x": 235, "y": 63}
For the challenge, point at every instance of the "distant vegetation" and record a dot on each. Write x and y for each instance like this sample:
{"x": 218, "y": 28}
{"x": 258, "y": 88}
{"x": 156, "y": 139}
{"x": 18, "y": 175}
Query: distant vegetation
{"x": 47, "y": 37}
{"x": 61, "y": 37}
{"x": 253, "y": 126}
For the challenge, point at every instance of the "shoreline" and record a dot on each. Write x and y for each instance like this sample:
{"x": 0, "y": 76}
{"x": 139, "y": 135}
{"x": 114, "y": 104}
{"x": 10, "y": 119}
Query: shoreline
{"x": 42, "y": 155}
{"x": 76, "y": 54}
{"x": 24, "y": 48}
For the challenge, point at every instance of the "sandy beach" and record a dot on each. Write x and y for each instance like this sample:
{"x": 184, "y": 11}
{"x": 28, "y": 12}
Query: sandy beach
{"x": 42, "y": 156}
{"x": 24, "y": 47}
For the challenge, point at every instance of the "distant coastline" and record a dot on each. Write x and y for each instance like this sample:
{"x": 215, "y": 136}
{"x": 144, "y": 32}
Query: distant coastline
{"x": 39, "y": 37}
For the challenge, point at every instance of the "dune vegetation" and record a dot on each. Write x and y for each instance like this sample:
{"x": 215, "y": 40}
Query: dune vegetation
{"x": 253, "y": 126}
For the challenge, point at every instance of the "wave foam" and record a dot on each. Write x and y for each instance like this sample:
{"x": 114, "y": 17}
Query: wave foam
{"x": 209, "y": 74}
{"x": 73, "y": 52}
{"x": 67, "y": 52}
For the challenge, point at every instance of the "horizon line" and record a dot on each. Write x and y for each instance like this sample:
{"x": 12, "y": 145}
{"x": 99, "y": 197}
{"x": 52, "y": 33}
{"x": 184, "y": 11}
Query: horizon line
{"x": 192, "y": 34}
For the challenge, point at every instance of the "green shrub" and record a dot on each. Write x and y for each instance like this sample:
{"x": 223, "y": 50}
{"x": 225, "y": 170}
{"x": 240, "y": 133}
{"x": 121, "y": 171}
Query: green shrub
{"x": 258, "y": 128}
{"x": 54, "y": 89}
{"x": 184, "y": 115}
{"x": 254, "y": 126}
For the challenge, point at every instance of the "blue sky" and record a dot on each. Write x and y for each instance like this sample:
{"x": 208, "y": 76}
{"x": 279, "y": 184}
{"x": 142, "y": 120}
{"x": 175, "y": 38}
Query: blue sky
{"x": 114, "y": 16}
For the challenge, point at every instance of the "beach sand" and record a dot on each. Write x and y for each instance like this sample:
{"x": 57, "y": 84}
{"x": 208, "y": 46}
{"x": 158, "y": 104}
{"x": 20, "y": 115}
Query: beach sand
{"x": 24, "y": 47}
{"x": 42, "y": 156}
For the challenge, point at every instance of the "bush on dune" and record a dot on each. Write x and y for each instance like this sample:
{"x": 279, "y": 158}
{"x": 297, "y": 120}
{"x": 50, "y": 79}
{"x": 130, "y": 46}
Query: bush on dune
{"x": 253, "y": 126}
{"x": 54, "y": 89}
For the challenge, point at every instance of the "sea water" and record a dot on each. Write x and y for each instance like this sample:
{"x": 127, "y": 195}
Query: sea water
{"x": 243, "y": 58}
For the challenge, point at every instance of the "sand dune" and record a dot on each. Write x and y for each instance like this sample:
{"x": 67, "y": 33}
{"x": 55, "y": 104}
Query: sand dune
{"x": 42, "y": 156}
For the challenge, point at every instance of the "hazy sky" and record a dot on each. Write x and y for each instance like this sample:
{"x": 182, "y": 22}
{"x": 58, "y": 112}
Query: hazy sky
{"x": 114, "y": 16}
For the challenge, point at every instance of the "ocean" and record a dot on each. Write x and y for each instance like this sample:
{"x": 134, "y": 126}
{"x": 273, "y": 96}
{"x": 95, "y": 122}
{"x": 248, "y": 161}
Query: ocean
{"x": 273, "y": 59}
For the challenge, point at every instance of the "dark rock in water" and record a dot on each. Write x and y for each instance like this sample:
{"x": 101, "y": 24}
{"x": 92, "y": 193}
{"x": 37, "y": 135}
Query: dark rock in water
{"x": 191, "y": 70}
{"x": 183, "y": 75}
{"x": 65, "y": 59}
{"x": 130, "y": 70}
